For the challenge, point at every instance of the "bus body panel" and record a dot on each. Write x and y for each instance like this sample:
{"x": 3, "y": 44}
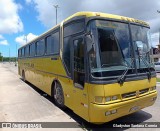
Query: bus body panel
{"x": 122, "y": 105}
{"x": 97, "y": 112}
{"x": 41, "y": 72}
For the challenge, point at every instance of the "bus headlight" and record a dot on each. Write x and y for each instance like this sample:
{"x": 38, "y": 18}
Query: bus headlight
{"x": 107, "y": 113}
{"x": 114, "y": 111}
{"x": 110, "y": 112}
{"x": 108, "y": 99}
{"x": 114, "y": 97}
{"x": 111, "y": 98}
{"x": 153, "y": 88}
{"x": 98, "y": 99}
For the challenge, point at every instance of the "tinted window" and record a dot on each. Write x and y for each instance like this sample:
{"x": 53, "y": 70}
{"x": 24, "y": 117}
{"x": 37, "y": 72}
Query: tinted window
{"x": 79, "y": 76}
{"x": 40, "y": 47}
{"x": 79, "y": 55}
{"x": 32, "y": 49}
{"x": 67, "y": 53}
{"x": 22, "y": 52}
{"x": 53, "y": 44}
{"x": 19, "y": 52}
{"x": 73, "y": 28}
{"x": 27, "y": 51}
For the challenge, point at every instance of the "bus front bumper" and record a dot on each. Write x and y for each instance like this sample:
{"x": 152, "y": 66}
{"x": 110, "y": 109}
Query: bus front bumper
{"x": 104, "y": 113}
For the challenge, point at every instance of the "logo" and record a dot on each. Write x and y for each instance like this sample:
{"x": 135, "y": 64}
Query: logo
{"x": 6, "y": 125}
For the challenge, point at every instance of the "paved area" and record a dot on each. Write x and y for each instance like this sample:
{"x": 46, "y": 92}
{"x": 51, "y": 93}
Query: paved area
{"x": 22, "y": 102}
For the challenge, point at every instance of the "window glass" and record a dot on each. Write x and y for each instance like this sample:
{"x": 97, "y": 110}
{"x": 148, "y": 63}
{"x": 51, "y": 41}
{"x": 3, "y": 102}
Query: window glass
{"x": 53, "y": 43}
{"x": 22, "y": 52}
{"x": 79, "y": 76}
{"x": 110, "y": 52}
{"x": 79, "y": 55}
{"x": 73, "y": 28}
{"x": 27, "y": 51}
{"x": 40, "y": 47}
{"x": 19, "y": 52}
{"x": 32, "y": 49}
{"x": 67, "y": 53}
{"x": 140, "y": 37}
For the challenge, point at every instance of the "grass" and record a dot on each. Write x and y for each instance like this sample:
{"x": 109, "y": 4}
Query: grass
{"x": 158, "y": 79}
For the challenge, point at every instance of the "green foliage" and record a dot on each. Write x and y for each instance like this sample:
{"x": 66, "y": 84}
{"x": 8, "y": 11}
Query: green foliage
{"x": 1, "y": 57}
{"x": 158, "y": 79}
{"x": 7, "y": 59}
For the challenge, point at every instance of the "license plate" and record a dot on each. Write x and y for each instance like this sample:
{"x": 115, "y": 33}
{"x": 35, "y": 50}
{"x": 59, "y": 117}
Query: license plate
{"x": 135, "y": 108}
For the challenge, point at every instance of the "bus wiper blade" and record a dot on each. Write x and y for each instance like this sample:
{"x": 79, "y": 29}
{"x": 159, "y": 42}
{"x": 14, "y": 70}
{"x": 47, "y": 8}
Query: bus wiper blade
{"x": 149, "y": 71}
{"x": 121, "y": 79}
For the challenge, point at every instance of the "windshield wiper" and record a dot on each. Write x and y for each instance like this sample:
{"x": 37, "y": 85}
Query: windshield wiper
{"x": 121, "y": 79}
{"x": 146, "y": 64}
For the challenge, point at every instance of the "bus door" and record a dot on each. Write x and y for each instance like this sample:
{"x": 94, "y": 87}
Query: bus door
{"x": 78, "y": 74}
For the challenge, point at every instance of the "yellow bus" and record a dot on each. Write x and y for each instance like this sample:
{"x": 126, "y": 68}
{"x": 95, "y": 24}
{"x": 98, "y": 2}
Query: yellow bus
{"x": 99, "y": 65}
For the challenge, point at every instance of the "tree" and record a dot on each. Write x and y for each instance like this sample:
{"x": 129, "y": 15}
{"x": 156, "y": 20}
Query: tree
{"x": 1, "y": 57}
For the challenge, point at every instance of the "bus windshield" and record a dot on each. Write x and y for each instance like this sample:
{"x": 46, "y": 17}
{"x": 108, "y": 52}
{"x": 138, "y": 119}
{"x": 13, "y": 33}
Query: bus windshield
{"x": 111, "y": 51}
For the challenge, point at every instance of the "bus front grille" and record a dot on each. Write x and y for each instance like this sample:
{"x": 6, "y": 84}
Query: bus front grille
{"x": 127, "y": 95}
{"x": 144, "y": 91}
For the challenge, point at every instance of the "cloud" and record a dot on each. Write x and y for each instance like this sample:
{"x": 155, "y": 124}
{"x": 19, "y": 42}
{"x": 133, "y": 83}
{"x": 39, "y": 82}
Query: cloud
{"x": 155, "y": 39}
{"x": 28, "y": 1}
{"x": 4, "y": 42}
{"x": 1, "y": 37}
{"x": 25, "y": 38}
{"x": 10, "y": 21}
{"x": 46, "y": 11}
{"x": 140, "y": 9}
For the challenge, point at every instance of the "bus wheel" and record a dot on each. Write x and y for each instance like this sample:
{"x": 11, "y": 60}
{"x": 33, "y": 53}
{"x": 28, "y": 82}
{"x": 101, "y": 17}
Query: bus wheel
{"x": 23, "y": 76}
{"x": 58, "y": 95}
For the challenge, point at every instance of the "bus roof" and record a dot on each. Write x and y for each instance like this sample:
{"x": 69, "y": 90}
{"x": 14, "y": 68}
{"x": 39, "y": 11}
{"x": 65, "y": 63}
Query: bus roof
{"x": 105, "y": 15}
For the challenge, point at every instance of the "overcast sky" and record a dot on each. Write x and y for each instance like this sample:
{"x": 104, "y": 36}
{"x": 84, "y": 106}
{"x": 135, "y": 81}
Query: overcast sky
{"x": 19, "y": 18}
{"x": 140, "y": 9}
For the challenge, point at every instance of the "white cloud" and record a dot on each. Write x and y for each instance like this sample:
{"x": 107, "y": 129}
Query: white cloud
{"x": 140, "y": 9}
{"x": 4, "y": 42}
{"x": 22, "y": 39}
{"x": 46, "y": 12}
{"x": 10, "y": 21}
{"x": 1, "y": 37}
{"x": 28, "y": 1}
{"x": 155, "y": 39}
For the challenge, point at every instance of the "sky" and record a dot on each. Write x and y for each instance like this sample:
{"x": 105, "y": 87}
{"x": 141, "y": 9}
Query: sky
{"x": 23, "y": 20}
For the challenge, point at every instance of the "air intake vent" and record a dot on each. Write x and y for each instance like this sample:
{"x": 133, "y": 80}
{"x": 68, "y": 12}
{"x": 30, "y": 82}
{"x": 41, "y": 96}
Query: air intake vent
{"x": 127, "y": 95}
{"x": 143, "y": 91}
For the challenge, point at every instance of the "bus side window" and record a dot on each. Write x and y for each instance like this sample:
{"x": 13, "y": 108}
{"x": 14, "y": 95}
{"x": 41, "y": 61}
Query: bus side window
{"x": 32, "y": 50}
{"x": 40, "y": 47}
{"x": 19, "y": 53}
{"x": 27, "y": 51}
{"x": 23, "y": 52}
{"x": 52, "y": 44}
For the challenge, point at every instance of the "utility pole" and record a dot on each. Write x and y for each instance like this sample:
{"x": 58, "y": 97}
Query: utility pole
{"x": 26, "y": 38}
{"x": 56, "y": 7}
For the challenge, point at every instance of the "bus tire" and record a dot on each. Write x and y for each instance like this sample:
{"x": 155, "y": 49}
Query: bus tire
{"x": 23, "y": 76}
{"x": 58, "y": 95}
